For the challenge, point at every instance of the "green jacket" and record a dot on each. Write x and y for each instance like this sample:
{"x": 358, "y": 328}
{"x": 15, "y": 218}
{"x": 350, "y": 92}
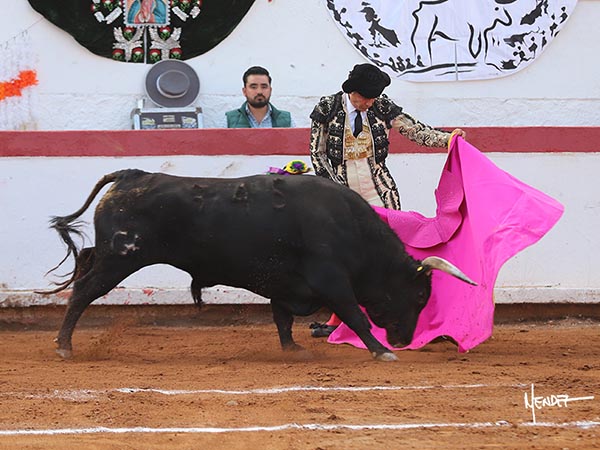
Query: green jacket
{"x": 238, "y": 118}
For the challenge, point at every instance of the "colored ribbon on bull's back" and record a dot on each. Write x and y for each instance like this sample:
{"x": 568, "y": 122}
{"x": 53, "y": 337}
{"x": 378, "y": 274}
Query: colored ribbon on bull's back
{"x": 484, "y": 217}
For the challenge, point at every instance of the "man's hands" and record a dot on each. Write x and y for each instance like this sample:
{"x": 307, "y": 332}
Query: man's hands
{"x": 456, "y": 132}
{"x": 459, "y": 132}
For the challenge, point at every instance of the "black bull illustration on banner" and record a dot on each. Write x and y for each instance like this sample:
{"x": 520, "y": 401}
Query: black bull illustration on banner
{"x": 435, "y": 20}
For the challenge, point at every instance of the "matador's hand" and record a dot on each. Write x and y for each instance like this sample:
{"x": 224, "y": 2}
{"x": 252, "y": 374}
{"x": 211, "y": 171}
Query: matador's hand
{"x": 459, "y": 132}
{"x": 456, "y": 132}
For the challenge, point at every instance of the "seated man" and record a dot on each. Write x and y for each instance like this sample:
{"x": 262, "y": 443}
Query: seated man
{"x": 257, "y": 111}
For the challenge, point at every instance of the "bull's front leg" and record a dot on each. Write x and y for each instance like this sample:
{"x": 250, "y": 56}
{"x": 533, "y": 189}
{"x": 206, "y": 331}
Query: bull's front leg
{"x": 352, "y": 316}
{"x": 284, "y": 321}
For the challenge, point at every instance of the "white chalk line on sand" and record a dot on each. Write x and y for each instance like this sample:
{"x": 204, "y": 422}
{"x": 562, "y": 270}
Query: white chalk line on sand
{"x": 296, "y": 426}
{"x": 75, "y": 394}
{"x": 283, "y": 390}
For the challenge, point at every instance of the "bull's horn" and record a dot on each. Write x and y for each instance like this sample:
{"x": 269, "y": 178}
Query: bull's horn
{"x": 435, "y": 262}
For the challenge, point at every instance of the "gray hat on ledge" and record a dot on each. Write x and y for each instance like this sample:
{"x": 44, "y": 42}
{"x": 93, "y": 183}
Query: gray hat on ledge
{"x": 172, "y": 84}
{"x": 367, "y": 80}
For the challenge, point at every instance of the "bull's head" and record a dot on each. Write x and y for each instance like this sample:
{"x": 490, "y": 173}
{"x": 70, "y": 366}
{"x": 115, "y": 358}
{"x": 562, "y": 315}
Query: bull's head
{"x": 405, "y": 296}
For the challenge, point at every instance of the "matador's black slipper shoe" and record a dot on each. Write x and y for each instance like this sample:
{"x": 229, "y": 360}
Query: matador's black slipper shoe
{"x": 321, "y": 329}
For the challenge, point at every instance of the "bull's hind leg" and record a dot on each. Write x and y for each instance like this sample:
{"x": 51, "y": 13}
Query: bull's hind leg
{"x": 284, "y": 321}
{"x": 98, "y": 281}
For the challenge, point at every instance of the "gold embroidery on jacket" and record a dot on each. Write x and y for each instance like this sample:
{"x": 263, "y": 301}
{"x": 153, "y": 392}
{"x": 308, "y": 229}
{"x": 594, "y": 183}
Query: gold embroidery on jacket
{"x": 360, "y": 146}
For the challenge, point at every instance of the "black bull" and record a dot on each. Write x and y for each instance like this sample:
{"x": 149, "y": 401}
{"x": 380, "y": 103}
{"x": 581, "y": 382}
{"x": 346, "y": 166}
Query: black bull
{"x": 301, "y": 241}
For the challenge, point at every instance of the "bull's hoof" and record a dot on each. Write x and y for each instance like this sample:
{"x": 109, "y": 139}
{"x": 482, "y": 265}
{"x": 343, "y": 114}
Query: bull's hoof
{"x": 298, "y": 354}
{"x": 387, "y": 356}
{"x": 293, "y": 348}
{"x": 64, "y": 353}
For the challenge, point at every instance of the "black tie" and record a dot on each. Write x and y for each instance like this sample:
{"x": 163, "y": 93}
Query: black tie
{"x": 357, "y": 124}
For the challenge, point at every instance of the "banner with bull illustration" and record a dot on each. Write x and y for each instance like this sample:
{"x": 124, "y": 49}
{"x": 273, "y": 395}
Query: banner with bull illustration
{"x": 145, "y": 31}
{"x": 447, "y": 40}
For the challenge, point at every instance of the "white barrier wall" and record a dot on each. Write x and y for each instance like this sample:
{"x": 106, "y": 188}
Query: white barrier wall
{"x": 560, "y": 268}
{"x": 308, "y": 57}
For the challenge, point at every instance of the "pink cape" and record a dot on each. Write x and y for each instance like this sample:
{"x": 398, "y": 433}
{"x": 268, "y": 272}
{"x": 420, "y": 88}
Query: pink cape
{"x": 484, "y": 217}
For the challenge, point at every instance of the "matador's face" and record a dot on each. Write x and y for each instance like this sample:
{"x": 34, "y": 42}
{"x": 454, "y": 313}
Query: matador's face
{"x": 359, "y": 102}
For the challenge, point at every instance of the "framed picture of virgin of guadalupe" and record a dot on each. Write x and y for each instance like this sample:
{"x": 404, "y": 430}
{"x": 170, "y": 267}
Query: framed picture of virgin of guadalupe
{"x": 146, "y": 12}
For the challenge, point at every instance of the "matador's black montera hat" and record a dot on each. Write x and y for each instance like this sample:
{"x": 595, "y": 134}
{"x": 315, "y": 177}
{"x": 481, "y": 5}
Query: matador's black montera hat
{"x": 367, "y": 80}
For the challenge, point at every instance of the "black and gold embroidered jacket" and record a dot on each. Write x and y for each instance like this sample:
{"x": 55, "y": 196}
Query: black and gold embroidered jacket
{"x": 327, "y": 141}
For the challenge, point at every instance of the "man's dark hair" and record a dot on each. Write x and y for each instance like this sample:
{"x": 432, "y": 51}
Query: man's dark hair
{"x": 255, "y": 70}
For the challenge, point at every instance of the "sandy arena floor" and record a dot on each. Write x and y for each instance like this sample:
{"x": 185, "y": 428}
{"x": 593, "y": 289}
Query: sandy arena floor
{"x": 231, "y": 387}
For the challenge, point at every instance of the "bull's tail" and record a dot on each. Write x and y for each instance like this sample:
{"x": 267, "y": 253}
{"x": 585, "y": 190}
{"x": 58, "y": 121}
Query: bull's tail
{"x": 69, "y": 226}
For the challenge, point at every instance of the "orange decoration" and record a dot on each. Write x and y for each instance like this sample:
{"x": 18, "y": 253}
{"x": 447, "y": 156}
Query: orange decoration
{"x": 14, "y": 88}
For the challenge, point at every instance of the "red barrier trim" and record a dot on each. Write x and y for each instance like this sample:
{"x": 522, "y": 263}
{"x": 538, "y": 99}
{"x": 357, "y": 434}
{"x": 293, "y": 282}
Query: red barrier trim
{"x": 275, "y": 141}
